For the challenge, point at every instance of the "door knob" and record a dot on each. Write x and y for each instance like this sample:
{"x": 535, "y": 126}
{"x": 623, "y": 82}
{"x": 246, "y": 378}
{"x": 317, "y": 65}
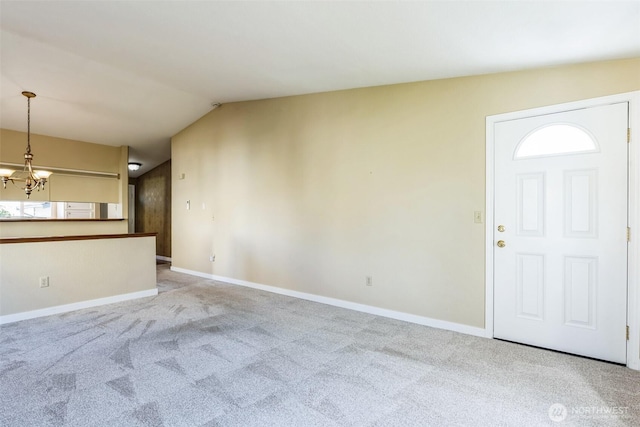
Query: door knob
{"x": 501, "y": 244}
{"x": 501, "y": 228}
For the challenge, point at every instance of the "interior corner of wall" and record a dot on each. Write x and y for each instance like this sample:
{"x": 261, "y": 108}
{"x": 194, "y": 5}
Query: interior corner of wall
{"x": 124, "y": 178}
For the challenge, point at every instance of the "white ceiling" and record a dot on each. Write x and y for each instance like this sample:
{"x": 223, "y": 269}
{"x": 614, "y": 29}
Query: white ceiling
{"x": 137, "y": 72}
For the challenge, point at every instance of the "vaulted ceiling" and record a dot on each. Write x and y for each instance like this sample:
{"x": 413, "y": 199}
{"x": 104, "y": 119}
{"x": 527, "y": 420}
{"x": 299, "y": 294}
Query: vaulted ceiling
{"x": 137, "y": 72}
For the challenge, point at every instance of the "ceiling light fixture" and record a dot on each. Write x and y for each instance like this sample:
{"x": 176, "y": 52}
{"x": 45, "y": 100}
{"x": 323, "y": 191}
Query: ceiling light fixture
{"x": 134, "y": 166}
{"x": 33, "y": 180}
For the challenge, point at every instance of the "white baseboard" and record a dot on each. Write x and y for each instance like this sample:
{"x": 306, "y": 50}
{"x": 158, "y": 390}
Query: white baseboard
{"x": 398, "y": 315}
{"x": 163, "y": 258}
{"x": 10, "y": 318}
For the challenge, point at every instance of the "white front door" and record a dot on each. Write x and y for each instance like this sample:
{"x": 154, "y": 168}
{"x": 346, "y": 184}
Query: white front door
{"x": 560, "y": 236}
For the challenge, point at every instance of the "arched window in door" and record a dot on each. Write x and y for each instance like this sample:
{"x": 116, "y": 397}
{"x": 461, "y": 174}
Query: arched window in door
{"x": 556, "y": 140}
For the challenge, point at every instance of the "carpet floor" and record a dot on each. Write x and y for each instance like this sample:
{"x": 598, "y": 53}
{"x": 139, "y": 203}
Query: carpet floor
{"x": 204, "y": 353}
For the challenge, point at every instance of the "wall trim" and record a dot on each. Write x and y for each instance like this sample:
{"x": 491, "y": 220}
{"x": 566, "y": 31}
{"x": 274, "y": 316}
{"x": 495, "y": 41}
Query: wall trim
{"x": 59, "y": 309}
{"x": 392, "y": 314}
{"x": 163, "y": 258}
{"x": 633, "y": 284}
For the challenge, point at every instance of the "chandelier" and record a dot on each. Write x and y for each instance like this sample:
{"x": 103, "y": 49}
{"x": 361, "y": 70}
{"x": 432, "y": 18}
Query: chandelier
{"x": 33, "y": 180}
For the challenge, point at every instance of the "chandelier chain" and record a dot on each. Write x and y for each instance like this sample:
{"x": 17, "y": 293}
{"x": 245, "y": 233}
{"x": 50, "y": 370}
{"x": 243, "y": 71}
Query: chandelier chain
{"x": 28, "y": 125}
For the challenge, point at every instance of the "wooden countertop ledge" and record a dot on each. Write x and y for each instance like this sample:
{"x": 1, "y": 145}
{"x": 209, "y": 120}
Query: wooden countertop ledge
{"x": 40, "y": 239}
{"x": 59, "y": 219}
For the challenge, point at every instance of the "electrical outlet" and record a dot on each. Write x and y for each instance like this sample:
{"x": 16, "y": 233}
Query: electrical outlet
{"x": 369, "y": 281}
{"x": 44, "y": 282}
{"x": 212, "y": 258}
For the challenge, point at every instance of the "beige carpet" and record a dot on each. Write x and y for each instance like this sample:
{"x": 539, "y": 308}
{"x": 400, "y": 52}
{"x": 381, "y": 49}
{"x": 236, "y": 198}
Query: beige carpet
{"x": 210, "y": 354}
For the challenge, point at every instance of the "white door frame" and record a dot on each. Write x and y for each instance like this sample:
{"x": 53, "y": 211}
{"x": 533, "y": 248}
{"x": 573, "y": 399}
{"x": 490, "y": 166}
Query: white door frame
{"x": 633, "y": 289}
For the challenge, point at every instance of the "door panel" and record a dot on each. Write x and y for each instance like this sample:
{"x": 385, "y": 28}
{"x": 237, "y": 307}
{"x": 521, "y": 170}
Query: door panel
{"x": 560, "y": 280}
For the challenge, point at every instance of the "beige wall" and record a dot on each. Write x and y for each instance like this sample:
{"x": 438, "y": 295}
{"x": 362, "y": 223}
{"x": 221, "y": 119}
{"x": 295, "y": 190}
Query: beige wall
{"x": 78, "y": 270}
{"x": 60, "y": 228}
{"x": 59, "y": 152}
{"x": 314, "y": 193}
